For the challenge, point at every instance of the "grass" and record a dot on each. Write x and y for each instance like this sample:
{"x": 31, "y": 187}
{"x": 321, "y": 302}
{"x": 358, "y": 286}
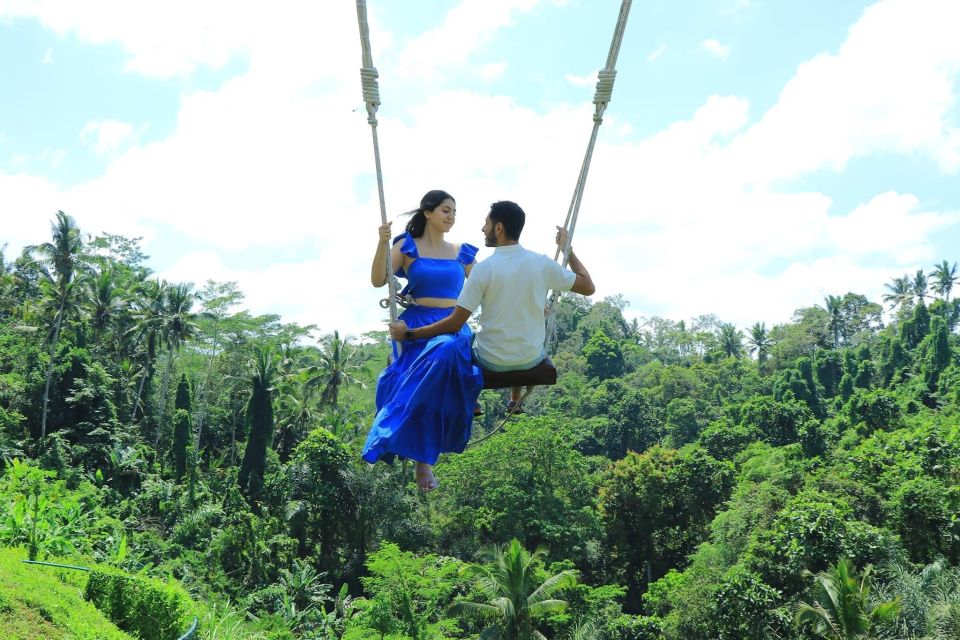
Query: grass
{"x": 46, "y": 603}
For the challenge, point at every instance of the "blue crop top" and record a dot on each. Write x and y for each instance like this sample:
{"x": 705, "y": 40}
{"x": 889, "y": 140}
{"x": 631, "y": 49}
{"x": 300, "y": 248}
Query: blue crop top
{"x": 434, "y": 277}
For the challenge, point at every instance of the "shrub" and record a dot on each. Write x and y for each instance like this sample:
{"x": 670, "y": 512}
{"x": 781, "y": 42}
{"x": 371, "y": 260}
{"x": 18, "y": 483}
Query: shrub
{"x": 145, "y": 607}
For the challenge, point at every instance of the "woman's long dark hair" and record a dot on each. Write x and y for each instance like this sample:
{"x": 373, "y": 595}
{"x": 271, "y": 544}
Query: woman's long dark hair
{"x": 429, "y": 202}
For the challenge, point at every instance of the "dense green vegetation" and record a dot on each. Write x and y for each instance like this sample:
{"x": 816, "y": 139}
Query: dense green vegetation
{"x": 682, "y": 480}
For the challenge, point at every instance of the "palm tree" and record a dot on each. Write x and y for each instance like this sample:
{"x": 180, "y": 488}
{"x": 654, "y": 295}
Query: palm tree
{"x": 148, "y": 324}
{"x": 297, "y": 410}
{"x": 731, "y": 340}
{"x": 929, "y": 599}
{"x": 105, "y": 300}
{"x": 178, "y": 325}
{"x": 759, "y": 341}
{"x": 514, "y": 599}
{"x": 841, "y": 609}
{"x": 833, "y": 305}
{"x": 919, "y": 285}
{"x": 901, "y": 292}
{"x": 339, "y": 364}
{"x": 944, "y": 276}
{"x": 64, "y": 255}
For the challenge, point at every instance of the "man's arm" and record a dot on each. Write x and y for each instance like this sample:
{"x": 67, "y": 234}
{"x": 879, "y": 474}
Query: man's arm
{"x": 451, "y": 324}
{"x": 584, "y": 283}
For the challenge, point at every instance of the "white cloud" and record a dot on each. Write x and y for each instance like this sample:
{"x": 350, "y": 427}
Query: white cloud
{"x": 27, "y": 204}
{"x": 890, "y": 224}
{"x": 492, "y": 71}
{"x": 175, "y": 37}
{"x": 581, "y": 81}
{"x": 48, "y": 158}
{"x": 715, "y": 48}
{"x": 656, "y": 53}
{"x": 467, "y": 28}
{"x": 868, "y": 98}
{"x": 692, "y": 219}
{"x": 107, "y": 137}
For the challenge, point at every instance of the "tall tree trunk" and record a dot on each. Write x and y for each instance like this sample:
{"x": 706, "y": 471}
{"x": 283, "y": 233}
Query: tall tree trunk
{"x": 136, "y": 401}
{"x": 53, "y": 355}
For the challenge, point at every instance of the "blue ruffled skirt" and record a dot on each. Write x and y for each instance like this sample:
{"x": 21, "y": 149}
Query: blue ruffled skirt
{"x": 425, "y": 398}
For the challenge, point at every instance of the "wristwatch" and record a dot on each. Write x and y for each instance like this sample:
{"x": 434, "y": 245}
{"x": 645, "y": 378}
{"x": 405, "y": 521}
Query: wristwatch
{"x": 408, "y": 335}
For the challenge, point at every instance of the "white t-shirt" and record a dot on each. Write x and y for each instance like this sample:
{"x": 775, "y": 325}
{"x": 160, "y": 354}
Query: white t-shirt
{"x": 511, "y": 287}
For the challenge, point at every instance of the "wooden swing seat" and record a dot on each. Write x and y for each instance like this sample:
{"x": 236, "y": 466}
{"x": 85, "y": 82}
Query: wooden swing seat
{"x": 542, "y": 374}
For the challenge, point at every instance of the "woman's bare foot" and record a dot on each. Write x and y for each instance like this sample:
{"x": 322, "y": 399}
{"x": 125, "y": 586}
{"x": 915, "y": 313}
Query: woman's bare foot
{"x": 425, "y": 480}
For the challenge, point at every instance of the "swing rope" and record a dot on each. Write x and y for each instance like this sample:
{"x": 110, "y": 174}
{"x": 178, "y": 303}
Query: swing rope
{"x": 513, "y": 409}
{"x": 371, "y": 96}
{"x": 601, "y": 99}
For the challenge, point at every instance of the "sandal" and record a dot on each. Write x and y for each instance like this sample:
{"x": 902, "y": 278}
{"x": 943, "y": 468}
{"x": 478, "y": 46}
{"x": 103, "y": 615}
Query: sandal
{"x": 515, "y": 407}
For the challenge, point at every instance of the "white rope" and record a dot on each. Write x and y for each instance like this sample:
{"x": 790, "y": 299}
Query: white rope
{"x": 371, "y": 96}
{"x": 601, "y": 99}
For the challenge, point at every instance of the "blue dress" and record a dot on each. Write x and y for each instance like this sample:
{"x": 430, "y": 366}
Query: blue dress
{"x": 425, "y": 398}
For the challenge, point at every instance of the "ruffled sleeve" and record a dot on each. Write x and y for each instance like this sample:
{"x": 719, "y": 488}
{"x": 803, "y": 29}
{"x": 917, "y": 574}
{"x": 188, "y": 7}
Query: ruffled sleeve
{"x": 468, "y": 254}
{"x": 408, "y": 248}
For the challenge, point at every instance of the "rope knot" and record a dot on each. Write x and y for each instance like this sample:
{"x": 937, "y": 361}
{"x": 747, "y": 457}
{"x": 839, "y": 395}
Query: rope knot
{"x": 371, "y": 89}
{"x": 605, "y": 80}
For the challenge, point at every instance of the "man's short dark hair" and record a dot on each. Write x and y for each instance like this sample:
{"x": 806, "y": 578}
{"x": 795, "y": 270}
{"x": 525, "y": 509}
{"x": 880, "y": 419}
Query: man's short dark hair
{"x": 510, "y": 215}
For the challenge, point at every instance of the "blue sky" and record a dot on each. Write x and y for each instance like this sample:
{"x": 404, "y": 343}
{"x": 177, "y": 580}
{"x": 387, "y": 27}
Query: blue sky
{"x": 757, "y": 155}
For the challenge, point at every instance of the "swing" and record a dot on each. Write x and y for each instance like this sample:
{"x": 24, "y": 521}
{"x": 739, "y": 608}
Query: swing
{"x": 545, "y": 373}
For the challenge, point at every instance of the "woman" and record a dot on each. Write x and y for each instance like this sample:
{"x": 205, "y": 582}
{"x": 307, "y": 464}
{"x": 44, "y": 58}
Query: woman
{"x": 426, "y": 396}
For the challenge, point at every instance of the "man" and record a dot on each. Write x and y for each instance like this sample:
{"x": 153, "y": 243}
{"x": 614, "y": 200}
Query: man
{"x": 511, "y": 288}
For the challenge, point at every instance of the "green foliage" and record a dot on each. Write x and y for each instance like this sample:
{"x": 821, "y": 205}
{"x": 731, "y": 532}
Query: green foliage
{"x": 44, "y": 603}
{"x": 181, "y": 440}
{"x": 145, "y": 607}
{"x": 799, "y": 385}
{"x": 748, "y": 609}
{"x": 41, "y": 514}
{"x": 934, "y": 353}
{"x": 839, "y": 438}
{"x": 778, "y": 423}
{"x": 604, "y": 357}
{"x": 684, "y": 421}
{"x": 514, "y": 596}
{"x": 410, "y": 593}
{"x": 525, "y": 483}
{"x": 724, "y": 440}
{"x": 929, "y": 599}
{"x": 925, "y": 514}
{"x": 655, "y": 508}
{"x": 316, "y": 496}
{"x": 869, "y": 411}
{"x": 260, "y": 411}
{"x": 913, "y": 330}
{"x": 841, "y": 608}
{"x": 811, "y": 528}
{"x": 632, "y": 424}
